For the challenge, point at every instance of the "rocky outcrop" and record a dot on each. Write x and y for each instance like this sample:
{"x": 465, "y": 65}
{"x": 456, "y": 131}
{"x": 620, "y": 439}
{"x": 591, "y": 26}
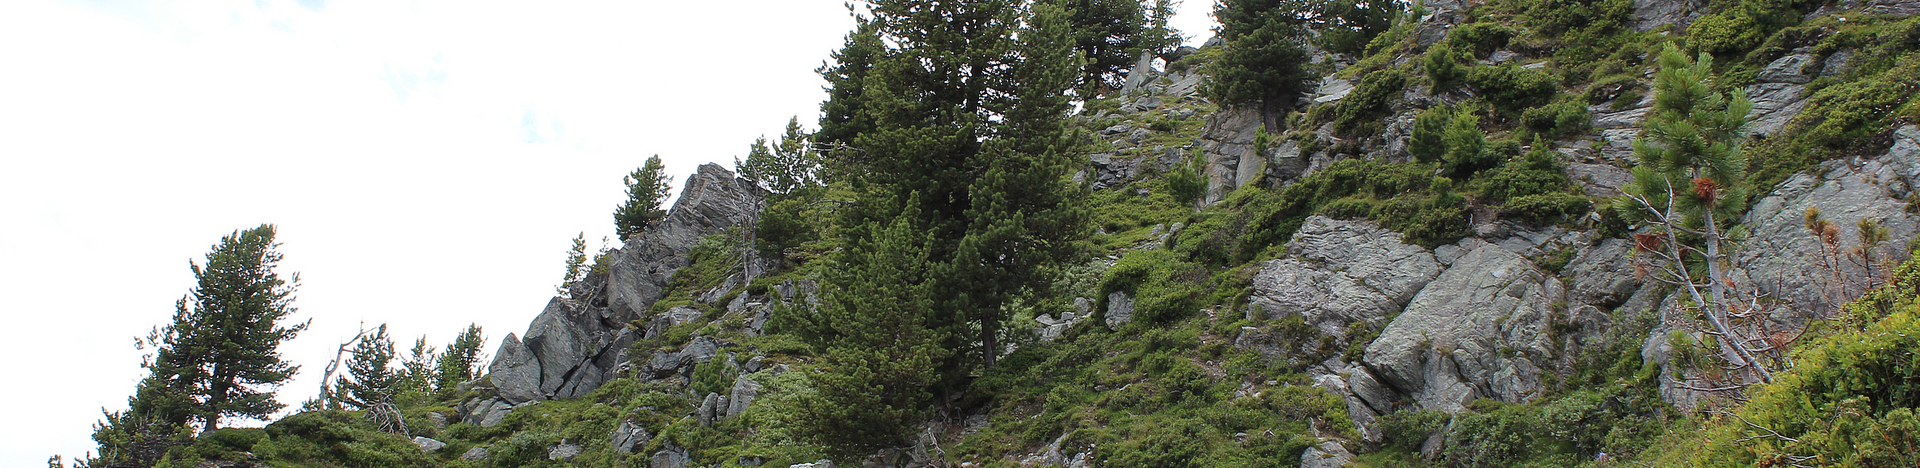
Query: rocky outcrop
{"x": 1119, "y": 309}
{"x": 1338, "y": 275}
{"x": 474, "y": 454}
{"x": 1232, "y": 160}
{"x": 1329, "y": 454}
{"x": 573, "y": 346}
{"x": 629, "y": 436}
{"x": 1652, "y": 14}
{"x": 744, "y": 391}
{"x": 428, "y": 445}
{"x": 1479, "y": 330}
{"x": 1785, "y": 261}
{"x": 564, "y": 451}
{"x": 1602, "y": 274}
{"x": 1779, "y": 94}
{"x": 1894, "y": 7}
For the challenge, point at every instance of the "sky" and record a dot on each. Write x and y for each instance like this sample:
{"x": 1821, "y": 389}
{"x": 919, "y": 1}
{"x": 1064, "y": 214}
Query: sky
{"x": 426, "y": 162}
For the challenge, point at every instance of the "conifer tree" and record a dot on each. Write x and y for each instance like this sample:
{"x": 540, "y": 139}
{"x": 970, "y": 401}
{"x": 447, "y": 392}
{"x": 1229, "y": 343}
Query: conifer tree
{"x": 1264, "y": 63}
{"x": 457, "y": 361}
{"x": 646, "y": 190}
{"x": 371, "y": 379}
{"x": 1687, "y": 185}
{"x": 1109, "y": 34}
{"x": 842, "y": 115}
{"x": 788, "y": 166}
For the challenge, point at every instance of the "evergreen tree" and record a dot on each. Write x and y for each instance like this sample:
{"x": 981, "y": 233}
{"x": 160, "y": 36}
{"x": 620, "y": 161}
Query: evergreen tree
{"x": 842, "y": 115}
{"x": 457, "y": 361}
{"x": 879, "y": 351}
{"x": 786, "y": 167}
{"x": 1428, "y": 144}
{"x": 417, "y": 370}
{"x": 371, "y": 379}
{"x": 576, "y": 266}
{"x": 1109, "y": 34}
{"x": 1688, "y": 183}
{"x": 646, "y": 189}
{"x": 1466, "y": 151}
{"x": 1264, "y": 67}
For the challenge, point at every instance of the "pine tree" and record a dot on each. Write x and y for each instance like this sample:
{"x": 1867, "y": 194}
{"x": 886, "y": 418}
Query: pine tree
{"x": 1109, "y": 34}
{"x": 371, "y": 379}
{"x": 879, "y": 350}
{"x": 576, "y": 266}
{"x": 843, "y": 115}
{"x": 1688, "y": 183}
{"x": 787, "y": 167}
{"x": 1264, "y": 66}
{"x": 646, "y": 190}
{"x": 1428, "y": 144}
{"x": 417, "y": 370}
{"x": 457, "y": 361}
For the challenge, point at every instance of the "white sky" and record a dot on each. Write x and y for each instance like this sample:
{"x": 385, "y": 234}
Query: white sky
{"x": 427, "y": 162}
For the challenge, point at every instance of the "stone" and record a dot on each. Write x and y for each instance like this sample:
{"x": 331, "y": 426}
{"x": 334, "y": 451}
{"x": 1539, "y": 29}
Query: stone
{"x": 1896, "y": 8}
{"x": 714, "y": 405}
{"x": 1904, "y": 158}
{"x": 1476, "y": 331}
{"x": 1332, "y": 89}
{"x": 1140, "y": 75}
{"x": 712, "y": 200}
{"x": 428, "y": 445}
{"x": 563, "y": 451}
{"x": 671, "y": 318}
{"x": 1227, "y": 141}
{"x": 744, "y": 391}
{"x": 1328, "y": 454}
{"x": 1618, "y": 143}
{"x": 491, "y": 412}
{"x": 629, "y": 436}
{"x": 1837, "y": 63}
{"x": 671, "y": 456}
{"x": 515, "y": 371}
{"x": 1117, "y": 129}
{"x": 1601, "y": 275}
{"x": 558, "y": 341}
{"x": 1784, "y": 259}
{"x": 1630, "y": 118}
{"x": 699, "y": 349}
{"x": 438, "y": 420}
{"x": 754, "y": 364}
{"x": 1788, "y": 69}
{"x": 823, "y": 463}
{"x": 1599, "y": 180}
{"x": 1119, "y": 309}
{"x": 1339, "y": 274}
{"x": 474, "y": 454}
{"x": 1774, "y": 105}
{"x": 1649, "y": 15}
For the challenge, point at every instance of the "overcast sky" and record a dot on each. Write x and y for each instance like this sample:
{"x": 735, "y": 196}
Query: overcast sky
{"x": 427, "y": 162}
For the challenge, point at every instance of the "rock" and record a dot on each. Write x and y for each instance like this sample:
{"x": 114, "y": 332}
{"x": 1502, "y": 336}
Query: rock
{"x": 1232, "y": 160}
{"x": 1332, "y": 89}
{"x": 1784, "y": 259}
{"x": 1630, "y": 118}
{"x": 744, "y": 391}
{"x": 712, "y": 200}
{"x": 1618, "y": 144}
{"x": 487, "y": 413}
{"x": 1117, "y": 129}
{"x": 1119, "y": 309}
{"x": 438, "y": 420}
{"x": 629, "y": 436}
{"x": 1339, "y": 274}
{"x": 428, "y": 445}
{"x": 1140, "y": 75}
{"x": 1185, "y": 87}
{"x": 1475, "y": 331}
{"x": 1774, "y": 105}
{"x": 1601, "y": 275}
{"x": 1788, "y": 69}
{"x": 1904, "y": 158}
{"x": 670, "y": 457}
{"x": 474, "y": 454}
{"x": 671, "y": 318}
{"x": 1329, "y": 454}
{"x": 1895, "y": 8}
{"x": 1599, "y": 180}
{"x": 563, "y": 451}
{"x": 1179, "y": 53}
{"x": 559, "y": 342}
{"x": 711, "y": 409}
{"x": 823, "y": 463}
{"x": 1837, "y": 63}
{"x": 754, "y": 364}
{"x": 515, "y": 372}
{"x": 1652, "y": 14}
{"x": 699, "y": 349}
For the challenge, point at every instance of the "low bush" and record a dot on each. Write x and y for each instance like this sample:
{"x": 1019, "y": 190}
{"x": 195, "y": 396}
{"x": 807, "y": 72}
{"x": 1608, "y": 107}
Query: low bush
{"x": 1510, "y": 87}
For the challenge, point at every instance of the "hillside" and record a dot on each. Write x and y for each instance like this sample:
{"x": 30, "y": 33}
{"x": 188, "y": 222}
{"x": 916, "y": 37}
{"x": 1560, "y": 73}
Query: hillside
{"x": 1434, "y": 258}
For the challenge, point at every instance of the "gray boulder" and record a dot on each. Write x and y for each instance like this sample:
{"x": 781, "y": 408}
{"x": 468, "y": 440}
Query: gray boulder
{"x": 1774, "y": 105}
{"x": 711, "y": 409}
{"x": 1119, "y": 309}
{"x": 515, "y": 371}
{"x": 1479, "y": 330}
{"x": 744, "y": 391}
{"x": 1783, "y": 259}
{"x": 1329, "y": 454}
{"x": 474, "y": 454}
{"x": 1652, "y": 14}
{"x": 1339, "y": 274}
{"x": 428, "y": 445}
{"x": 1599, "y": 180}
{"x": 671, "y": 318}
{"x": 1788, "y": 69}
{"x": 823, "y": 463}
{"x": 1140, "y": 75}
{"x": 671, "y": 456}
{"x": 700, "y": 349}
{"x": 559, "y": 343}
{"x": 563, "y": 451}
{"x": 1894, "y": 7}
{"x": 629, "y": 436}
{"x": 712, "y": 200}
{"x": 1231, "y": 158}
{"x": 1602, "y": 274}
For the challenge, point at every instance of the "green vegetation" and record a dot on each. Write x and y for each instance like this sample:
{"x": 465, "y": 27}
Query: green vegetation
{"x": 646, "y": 189}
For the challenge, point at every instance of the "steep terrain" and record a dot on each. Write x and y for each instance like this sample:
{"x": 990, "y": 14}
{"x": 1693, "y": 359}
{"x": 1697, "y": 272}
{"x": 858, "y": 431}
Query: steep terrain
{"x": 1331, "y": 298}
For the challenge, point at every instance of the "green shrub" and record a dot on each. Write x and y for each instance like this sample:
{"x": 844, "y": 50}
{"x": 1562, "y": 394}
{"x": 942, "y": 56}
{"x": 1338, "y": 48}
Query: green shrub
{"x": 1510, "y": 87}
{"x": 1725, "y": 32}
{"x": 1187, "y": 183}
{"x": 1559, "y": 119}
{"x": 1427, "y": 144}
{"x": 1360, "y": 112}
{"x": 1444, "y": 66}
{"x": 1535, "y": 173}
{"x": 1164, "y": 288}
{"x": 1481, "y": 38}
{"x": 1466, "y": 147}
{"x": 1547, "y": 207}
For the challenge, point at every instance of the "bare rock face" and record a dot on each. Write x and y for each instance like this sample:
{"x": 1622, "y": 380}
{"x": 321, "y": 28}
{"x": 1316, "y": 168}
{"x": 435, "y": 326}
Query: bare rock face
{"x": 1602, "y": 275}
{"x": 1329, "y": 454}
{"x": 1479, "y": 330}
{"x": 629, "y": 436}
{"x": 1780, "y": 94}
{"x": 1339, "y": 274}
{"x": 1652, "y": 14}
{"x": 573, "y": 346}
{"x": 1231, "y": 158}
{"x": 1785, "y": 260}
{"x": 1894, "y": 7}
